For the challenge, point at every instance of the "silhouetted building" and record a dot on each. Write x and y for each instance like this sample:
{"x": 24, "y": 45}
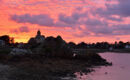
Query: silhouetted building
{"x": 38, "y": 39}
{"x": 127, "y": 46}
{"x": 2, "y": 43}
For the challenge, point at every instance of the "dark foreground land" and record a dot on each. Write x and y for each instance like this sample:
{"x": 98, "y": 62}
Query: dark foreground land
{"x": 38, "y": 67}
{"x": 51, "y": 59}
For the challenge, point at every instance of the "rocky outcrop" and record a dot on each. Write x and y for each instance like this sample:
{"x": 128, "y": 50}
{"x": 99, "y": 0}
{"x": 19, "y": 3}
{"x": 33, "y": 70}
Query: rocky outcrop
{"x": 17, "y": 51}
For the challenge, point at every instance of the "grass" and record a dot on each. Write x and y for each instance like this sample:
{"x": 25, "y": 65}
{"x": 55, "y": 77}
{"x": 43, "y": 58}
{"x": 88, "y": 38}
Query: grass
{"x": 5, "y": 50}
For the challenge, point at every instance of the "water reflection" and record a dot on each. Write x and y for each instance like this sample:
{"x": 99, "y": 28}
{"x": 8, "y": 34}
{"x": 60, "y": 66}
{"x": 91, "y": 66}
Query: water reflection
{"x": 119, "y": 71}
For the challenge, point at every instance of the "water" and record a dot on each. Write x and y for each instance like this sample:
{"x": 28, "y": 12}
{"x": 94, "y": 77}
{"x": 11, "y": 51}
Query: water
{"x": 120, "y": 70}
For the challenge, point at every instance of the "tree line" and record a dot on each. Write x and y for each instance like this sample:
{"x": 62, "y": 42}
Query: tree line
{"x": 98, "y": 45}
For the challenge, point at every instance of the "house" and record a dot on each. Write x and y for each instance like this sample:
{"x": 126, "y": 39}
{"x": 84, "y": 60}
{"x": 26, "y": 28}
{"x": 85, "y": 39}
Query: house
{"x": 2, "y": 43}
{"x": 127, "y": 46}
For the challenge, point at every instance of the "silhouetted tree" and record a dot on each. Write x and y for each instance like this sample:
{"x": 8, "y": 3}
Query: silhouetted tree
{"x": 82, "y": 45}
{"x": 32, "y": 43}
{"x": 121, "y": 44}
{"x": 72, "y": 44}
{"x": 12, "y": 40}
{"x": 7, "y": 39}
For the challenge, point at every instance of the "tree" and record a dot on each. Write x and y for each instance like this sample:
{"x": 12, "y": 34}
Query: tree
{"x": 121, "y": 44}
{"x": 7, "y": 39}
{"x": 72, "y": 44}
{"x": 12, "y": 40}
{"x": 82, "y": 45}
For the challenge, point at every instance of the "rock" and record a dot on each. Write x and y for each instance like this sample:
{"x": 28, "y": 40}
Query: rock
{"x": 17, "y": 51}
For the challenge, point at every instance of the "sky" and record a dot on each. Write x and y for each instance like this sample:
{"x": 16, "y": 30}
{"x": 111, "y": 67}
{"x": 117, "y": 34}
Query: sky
{"x": 75, "y": 20}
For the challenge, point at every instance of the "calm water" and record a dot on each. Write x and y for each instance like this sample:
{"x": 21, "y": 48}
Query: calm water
{"x": 119, "y": 71}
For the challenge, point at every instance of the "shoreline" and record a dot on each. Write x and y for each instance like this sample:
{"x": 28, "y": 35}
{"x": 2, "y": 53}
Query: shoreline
{"x": 41, "y": 68}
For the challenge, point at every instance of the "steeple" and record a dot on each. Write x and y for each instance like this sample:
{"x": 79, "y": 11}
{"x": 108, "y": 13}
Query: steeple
{"x": 39, "y": 38}
{"x": 38, "y": 33}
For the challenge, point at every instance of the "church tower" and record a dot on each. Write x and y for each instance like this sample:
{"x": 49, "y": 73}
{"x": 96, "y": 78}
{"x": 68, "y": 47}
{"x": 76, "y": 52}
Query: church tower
{"x": 38, "y": 33}
{"x": 39, "y": 38}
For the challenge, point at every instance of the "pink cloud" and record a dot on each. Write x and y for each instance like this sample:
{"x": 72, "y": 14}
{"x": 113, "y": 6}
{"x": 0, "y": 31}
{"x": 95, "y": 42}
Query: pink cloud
{"x": 22, "y": 29}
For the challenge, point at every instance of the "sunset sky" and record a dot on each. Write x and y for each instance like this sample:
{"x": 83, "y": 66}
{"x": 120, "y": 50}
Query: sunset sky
{"x": 75, "y": 20}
